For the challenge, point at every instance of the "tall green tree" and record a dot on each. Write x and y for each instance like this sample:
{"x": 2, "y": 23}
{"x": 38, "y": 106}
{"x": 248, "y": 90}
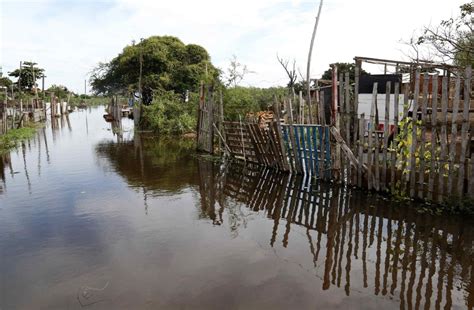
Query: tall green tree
{"x": 453, "y": 39}
{"x": 167, "y": 65}
{"x": 27, "y": 75}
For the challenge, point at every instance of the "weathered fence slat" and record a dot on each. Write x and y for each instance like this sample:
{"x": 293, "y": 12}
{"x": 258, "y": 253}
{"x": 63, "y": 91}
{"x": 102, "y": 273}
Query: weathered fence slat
{"x": 361, "y": 149}
{"x": 386, "y": 132}
{"x": 444, "y": 136}
{"x": 465, "y": 137}
{"x": 393, "y": 153}
{"x": 424, "y": 104}
{"x": 434, "y": 130}
{"x": 370, "y": 177}
{"x": 454, "y": 133}
{"x": 414, "y": 134}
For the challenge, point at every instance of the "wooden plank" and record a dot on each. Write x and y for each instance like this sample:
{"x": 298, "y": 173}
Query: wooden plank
{"x": 454, "y": 134}
{"x": 414, "y": 141}
{"x": 393, "y": 156}
{"x": 471, "y": 176}
{"x": 286, "y": 138}
{"x": 304, "y": 153}
{"x": 310, "y": 149}
{"x": 283, "y": 153}
{"x": 321, "y": 151}
{"x": 370, "y": 181}
{"x": 356, "y": 96}
{"x": 316, "y": 151}
{"x": 434, "y": 130}
{"x": 347, "y": 109}
{"x": 385, "y": 135}
{"x": 292, "y": 140}
{"x": 301, "y": 101}
{"x": 424, "y": 104}
{"x": 443, "y": 137}
{"x": 361, "y": 149}
{"x": 345, "y": 148}
{"x": 298, "y": 148}
{"x": 465, "y": 137}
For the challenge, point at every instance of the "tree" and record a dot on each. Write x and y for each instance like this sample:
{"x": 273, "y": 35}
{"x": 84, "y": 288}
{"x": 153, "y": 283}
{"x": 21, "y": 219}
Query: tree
{"x": 5, "y": 82}
{"x": 167, "y": 65}
{"x": 453, "y": 39}
{"x": 59, "y": 91}
{"x": 29, "y": 74}
{"x": 290, "y": 72}
{"x": 236, "y": 72}
{"x": 343, "y": 67}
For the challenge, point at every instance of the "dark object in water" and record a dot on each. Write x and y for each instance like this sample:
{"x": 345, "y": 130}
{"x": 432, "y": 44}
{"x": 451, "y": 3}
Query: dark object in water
{"x": 108, "y": 117}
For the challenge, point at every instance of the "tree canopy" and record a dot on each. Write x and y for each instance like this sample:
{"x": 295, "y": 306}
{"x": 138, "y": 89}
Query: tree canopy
{"x": 453, "y": 39}
{"x": 29, "y": 75}
{"x": 167, "y": 65}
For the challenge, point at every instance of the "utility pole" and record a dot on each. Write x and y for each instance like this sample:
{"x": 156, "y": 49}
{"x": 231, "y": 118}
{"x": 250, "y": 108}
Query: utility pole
{"x": 85, "y": 87}
{"x": 141, "y": 71}
{"x": 19, "y": 79}
{"x": 308, "y": 67}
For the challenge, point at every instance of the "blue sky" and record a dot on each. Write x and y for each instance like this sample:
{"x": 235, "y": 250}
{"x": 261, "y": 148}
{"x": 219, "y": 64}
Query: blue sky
{"x": 68, "y": 37}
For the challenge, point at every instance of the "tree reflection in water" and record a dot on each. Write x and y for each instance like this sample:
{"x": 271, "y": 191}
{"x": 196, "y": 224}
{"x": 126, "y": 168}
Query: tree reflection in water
{"x": 417, "y": 257}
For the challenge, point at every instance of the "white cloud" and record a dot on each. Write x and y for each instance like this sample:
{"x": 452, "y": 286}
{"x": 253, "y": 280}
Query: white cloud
{"x": 68, "y": 38}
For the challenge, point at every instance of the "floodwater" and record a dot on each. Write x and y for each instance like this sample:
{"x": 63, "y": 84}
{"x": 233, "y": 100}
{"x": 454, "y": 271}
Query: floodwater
{"x": 98, "y": 217}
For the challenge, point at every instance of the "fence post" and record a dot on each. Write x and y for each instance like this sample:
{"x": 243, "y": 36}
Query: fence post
{"x": 465, "y": 137}
{"x": 414, "y": 134}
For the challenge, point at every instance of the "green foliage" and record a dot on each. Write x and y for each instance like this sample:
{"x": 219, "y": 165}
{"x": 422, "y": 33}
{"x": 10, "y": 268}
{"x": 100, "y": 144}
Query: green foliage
{"x": 5, "y": 82}
{"x": 168, "y": 65}
{"x": 168, "y": 114}
{"x": 453, "y": 38}
{"x": 343, "y": 67}
{"x": 241, "y": 100}
{"x": 59, "y": 91}
{"x": 11, "y": 139}
{"x": 403, "y": 145}
{"x": 29, "y": 75}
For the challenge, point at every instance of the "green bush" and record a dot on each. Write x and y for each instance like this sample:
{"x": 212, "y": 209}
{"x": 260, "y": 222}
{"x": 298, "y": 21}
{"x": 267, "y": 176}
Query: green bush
{"x": 11, "y": 139}
{"x": 242, "y": 100}
{"x": 169, "y": 114}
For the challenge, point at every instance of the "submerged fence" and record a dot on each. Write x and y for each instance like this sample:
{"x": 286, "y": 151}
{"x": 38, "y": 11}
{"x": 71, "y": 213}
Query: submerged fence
{"x": 421, "y": 147}
{"x": 415, "y": 141}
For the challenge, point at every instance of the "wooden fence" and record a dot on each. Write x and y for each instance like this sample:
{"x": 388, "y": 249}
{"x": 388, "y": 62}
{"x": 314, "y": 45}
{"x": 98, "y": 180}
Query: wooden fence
{"x": 416, "y": 142}
{"x": 423, "y": 151}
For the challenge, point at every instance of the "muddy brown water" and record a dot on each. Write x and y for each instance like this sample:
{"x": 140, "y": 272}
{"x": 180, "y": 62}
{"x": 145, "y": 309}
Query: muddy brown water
{"x": 99, "y": 218}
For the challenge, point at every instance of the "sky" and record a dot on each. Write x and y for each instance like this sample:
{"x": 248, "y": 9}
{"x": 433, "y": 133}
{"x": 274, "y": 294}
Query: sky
{"x": 68, "y": 38}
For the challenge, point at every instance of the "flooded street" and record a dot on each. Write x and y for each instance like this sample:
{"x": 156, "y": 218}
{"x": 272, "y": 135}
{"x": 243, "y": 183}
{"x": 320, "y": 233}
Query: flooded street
{"x": 97, "y": 218}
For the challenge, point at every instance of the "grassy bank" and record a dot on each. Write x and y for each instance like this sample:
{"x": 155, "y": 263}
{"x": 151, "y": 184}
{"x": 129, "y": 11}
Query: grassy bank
{"x": 11, "y": 139}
